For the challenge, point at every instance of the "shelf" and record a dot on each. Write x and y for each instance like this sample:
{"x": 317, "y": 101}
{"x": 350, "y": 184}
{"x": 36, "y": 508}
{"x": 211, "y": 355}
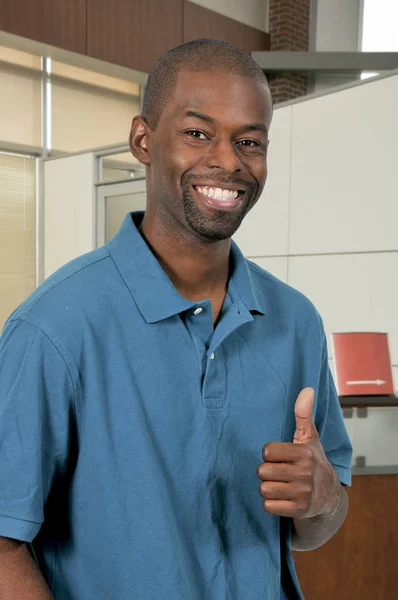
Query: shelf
{"x": 368, "y": 401}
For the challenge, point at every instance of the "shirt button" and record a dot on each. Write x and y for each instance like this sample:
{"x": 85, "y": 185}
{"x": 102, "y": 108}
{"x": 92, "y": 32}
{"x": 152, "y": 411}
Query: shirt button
{"x": 197, "y": 311}
{"x": 212, "y": 355}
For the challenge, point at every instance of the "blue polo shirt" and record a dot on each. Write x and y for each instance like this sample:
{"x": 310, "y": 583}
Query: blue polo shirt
{"x": 131, "y": 429}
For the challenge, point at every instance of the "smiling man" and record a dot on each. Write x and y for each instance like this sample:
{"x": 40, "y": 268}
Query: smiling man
{"x": 169, "y": 427}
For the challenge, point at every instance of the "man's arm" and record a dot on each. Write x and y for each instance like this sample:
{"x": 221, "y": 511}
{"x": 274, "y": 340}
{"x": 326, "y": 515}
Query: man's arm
{"x": 20, "y": 578}
{"x": 308, "y": 534}
{"x": 37, "y": 400}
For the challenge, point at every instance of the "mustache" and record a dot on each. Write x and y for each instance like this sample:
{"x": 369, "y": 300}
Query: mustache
{"x": 219, "y": 178}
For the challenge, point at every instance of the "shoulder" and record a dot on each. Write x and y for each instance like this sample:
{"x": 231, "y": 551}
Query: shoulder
{"x": 72, "y": 288}
{"x": 280, "y": 297}
{"x": 288, "y": 310}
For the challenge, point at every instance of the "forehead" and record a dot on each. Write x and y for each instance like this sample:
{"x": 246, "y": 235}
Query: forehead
{"x": 221, "y": 96}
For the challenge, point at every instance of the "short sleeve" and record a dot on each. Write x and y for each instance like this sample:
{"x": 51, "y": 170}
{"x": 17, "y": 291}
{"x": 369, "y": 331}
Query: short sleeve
{"x": 330, "y": 423}
{"x": 36, "y": 417}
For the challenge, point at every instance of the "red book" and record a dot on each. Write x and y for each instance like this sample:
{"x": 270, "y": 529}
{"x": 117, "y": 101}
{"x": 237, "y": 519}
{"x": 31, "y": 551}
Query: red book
{"x": 362, "y": 364}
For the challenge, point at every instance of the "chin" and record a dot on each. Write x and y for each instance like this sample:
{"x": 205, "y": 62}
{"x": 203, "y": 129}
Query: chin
{"x": 214, "y": 225}
{"x": 223, "y": 226}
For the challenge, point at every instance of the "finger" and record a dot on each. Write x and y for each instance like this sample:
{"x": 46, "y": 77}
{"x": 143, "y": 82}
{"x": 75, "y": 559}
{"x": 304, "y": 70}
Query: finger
{"x": 283, "y": 508}
{"x": 305, "y": 426}
{"x": 284, "y": 452}
{"x": 275, "y": 490}
{"x": 276, "y": 472}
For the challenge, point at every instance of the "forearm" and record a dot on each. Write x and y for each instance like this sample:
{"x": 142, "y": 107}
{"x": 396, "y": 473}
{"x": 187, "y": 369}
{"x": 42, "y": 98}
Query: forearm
{"x": 308, "y": 534}
{"x": 20, "y": 578}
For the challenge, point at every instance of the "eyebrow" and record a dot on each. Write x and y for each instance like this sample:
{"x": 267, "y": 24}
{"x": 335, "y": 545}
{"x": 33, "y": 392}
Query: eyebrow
{"x": 249, "y": 127}
{"x": 197, "y": 115}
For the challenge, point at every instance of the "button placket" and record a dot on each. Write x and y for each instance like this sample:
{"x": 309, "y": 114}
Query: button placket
{"x": 199, "y": 324}
{"x": 214, "y": 384}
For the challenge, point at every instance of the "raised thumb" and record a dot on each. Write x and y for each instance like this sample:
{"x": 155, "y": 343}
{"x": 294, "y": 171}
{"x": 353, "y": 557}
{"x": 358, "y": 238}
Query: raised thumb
{"x": 305, "y": 426}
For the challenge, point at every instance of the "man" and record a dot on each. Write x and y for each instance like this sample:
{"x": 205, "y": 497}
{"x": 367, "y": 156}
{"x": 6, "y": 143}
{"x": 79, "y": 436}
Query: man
{"x": 152, "y": 388}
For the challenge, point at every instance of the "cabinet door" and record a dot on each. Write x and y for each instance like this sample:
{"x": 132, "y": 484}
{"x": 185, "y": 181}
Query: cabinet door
{"x": 133, "y": 34}
{"x": 360, "y": 562}
{"x": 60, "y": 23}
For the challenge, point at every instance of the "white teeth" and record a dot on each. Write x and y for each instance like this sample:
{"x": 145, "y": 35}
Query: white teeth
{"x": 218, "y": 193}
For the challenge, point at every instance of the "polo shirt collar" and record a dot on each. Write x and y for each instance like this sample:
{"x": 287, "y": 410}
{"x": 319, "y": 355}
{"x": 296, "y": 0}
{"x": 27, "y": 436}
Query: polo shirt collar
{"x": 150, "y": 286}
{"x": 243, "y": 282}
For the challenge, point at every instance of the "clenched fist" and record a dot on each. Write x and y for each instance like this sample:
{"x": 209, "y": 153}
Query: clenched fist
{"x": 298, "y": 481}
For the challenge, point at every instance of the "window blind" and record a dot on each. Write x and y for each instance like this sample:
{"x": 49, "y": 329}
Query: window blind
{"x": 89, "y": 117}
{"x": 17, "y": 231}
{"x": 20, "y": 98}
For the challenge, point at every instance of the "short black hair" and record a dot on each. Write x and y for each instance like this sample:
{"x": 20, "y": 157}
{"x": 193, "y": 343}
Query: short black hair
{"x": 204, "y": 54}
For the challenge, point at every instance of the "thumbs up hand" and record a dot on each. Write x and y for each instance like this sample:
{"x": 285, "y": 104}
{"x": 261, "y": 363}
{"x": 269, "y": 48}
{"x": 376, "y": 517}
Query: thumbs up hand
{"x": 298, "y": 481}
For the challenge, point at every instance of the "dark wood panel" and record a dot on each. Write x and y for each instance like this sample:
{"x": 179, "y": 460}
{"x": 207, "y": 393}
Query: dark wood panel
{"x": 368, "y": 401}
{"x": 133, "y": 33}
{"x": 60, "y": 23}
{"x": 360, "y": 562}
{"x": 200, "y": 22}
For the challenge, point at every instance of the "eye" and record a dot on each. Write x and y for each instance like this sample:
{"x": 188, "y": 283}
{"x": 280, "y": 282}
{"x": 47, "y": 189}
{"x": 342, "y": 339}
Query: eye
{"x": 197, "y": 134}
{"x": 250, "y": 143}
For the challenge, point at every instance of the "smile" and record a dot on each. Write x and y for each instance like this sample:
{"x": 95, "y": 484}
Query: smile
{"x": 218, "y": 193}
{"x": 220, "y": 198}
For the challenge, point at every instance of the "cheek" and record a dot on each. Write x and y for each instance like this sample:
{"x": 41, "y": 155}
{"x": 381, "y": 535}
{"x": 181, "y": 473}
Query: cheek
{"x": 259, "y": 170}
{"x": 176, "y": 159}
{"x": 186, "y": 157}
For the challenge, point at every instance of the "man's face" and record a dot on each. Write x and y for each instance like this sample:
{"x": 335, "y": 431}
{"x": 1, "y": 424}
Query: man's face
{"x": 208, "y": 154}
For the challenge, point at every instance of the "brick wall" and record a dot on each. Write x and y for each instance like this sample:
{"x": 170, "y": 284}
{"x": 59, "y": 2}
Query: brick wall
{"x": 288, "y": 25}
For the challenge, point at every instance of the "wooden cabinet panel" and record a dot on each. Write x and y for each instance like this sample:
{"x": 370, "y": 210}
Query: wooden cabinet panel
{"x": 360, "y": 562}
{"x": 60, "y": 23}
{"x": 133, "y": 33}
{"x": 200, "y": 22}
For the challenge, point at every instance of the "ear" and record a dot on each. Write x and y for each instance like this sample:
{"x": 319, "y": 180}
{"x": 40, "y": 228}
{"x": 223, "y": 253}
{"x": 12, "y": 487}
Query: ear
{"x": 140, "y": 136}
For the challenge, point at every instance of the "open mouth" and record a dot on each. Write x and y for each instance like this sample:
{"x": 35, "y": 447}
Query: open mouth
{"x": 220, "y": 198}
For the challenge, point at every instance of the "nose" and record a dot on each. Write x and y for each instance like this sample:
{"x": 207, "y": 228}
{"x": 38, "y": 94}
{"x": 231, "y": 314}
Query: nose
{"x": 223, "y": 155}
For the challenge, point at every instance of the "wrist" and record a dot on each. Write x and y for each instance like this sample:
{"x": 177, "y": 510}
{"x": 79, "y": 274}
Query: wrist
{"x": 336, "y": 492}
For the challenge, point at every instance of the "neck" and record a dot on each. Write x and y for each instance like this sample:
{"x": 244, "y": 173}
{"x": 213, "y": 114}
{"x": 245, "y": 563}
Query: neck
{"x": 197, "y": 269}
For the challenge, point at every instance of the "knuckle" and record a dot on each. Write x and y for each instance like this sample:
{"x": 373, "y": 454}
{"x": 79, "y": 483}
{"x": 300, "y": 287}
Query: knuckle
{"x": 308, "y": 453}
{"x": 307, "y": 476}
{"x": 304, "y": 490}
